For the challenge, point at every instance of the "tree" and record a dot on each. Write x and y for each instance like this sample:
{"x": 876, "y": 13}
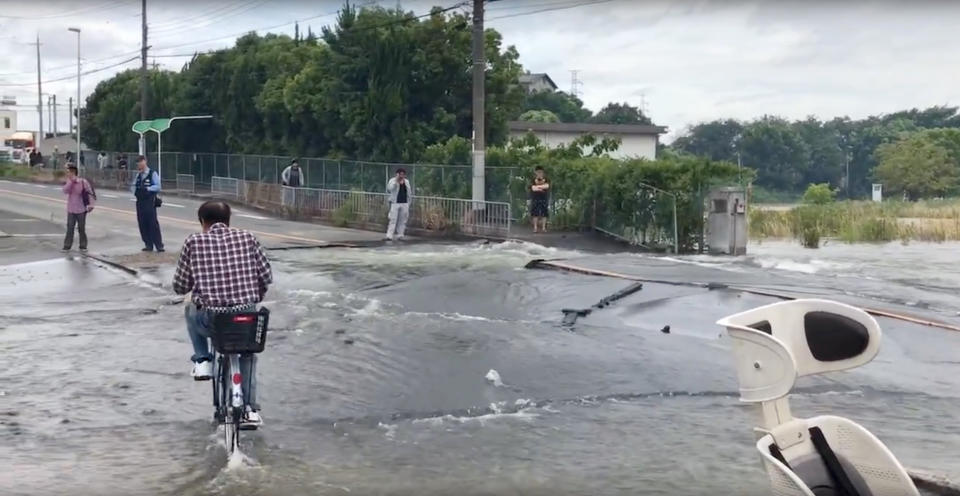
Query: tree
{"x": 777, "y": 152}
{"x": 917, "y": 167}
{"x": 827, "y": 159}
{"x": 539, "y": 116}
{"x": 620, "y": 113}
{"x": 566, "y": 107}
{"x": 378, "y": 85}
{"x": 715, "y": 140}
{"x": 114, "y": 106}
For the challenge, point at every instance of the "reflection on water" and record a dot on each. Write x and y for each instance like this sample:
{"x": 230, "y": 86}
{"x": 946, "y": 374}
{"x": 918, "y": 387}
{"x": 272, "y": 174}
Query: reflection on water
{"x": 444, "y": 370}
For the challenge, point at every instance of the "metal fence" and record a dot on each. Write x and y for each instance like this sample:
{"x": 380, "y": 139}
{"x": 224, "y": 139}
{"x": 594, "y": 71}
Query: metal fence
{"x": 225, "y": 186}
{"x": 186, "y": 183}
{"x": 649, "y": 219}
{"x": 369, "y": 209}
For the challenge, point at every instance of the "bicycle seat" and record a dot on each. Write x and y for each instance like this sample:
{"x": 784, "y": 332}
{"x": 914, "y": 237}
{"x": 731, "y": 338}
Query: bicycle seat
{"x": 820, "y": 456}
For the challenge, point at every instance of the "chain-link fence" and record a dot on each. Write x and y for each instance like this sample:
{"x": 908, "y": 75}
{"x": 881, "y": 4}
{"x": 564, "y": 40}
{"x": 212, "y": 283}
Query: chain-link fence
{"x": 648, "y": 219}
{"x": 652, "y": 218}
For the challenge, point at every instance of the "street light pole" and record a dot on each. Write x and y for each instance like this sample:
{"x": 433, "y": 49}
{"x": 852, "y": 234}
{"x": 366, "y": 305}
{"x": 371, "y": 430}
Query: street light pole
{"x": 77, "y": 30}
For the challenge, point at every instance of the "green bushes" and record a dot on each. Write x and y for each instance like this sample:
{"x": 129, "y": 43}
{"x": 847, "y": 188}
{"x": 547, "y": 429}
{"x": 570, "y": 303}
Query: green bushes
{"x": 819, "y": 194}
{"x": 633, "y": 198}
{"x": 14, "y": 171}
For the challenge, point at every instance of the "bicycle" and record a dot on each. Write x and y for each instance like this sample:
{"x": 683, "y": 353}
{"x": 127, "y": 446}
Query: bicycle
{"x": 234, "y": 334}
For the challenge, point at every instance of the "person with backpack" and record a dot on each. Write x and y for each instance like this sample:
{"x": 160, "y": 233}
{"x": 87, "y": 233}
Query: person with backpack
{"x": 80, "y": 199}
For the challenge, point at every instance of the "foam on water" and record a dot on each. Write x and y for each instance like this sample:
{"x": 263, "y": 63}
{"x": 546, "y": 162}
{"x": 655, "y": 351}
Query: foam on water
{"x": 390, "y": 430}
{"x": 493, "y": 377}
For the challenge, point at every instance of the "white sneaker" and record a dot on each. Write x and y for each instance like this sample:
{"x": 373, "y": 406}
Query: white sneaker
{"x": 202, "y": 371}
{"x": 251, "y": 419}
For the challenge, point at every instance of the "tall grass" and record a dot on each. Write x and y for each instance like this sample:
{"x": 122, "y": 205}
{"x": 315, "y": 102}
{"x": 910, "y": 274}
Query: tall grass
{"x": 861, "y": 222}
{"x": 14, "y": 171}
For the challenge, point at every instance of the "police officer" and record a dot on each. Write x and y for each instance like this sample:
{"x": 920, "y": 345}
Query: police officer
{"x": 145, "y": 189}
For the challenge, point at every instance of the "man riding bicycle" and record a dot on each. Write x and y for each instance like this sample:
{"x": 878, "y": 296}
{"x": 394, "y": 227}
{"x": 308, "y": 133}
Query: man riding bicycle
{"x": 228, "y": 272}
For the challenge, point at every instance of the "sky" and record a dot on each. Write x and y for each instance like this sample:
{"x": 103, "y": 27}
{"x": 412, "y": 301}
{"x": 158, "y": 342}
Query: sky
{"x": 682, "y": 61}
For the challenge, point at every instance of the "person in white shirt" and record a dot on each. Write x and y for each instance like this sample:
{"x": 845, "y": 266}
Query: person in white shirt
{"x": 401, "y": 195}
{"x": 292, "y": 176}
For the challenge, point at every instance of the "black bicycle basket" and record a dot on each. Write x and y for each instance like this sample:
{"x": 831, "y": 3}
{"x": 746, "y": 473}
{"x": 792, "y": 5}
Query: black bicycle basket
{"x": 242, "y": 332}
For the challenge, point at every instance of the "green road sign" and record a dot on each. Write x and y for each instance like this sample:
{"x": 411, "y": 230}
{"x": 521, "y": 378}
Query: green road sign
{"x": 156, "y": 125}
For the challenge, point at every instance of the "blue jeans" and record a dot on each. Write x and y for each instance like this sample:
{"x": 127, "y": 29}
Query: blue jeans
{"x": 200, "y": 326}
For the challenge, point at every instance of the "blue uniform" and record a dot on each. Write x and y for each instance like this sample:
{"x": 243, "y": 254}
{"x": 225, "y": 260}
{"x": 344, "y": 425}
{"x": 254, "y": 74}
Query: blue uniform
{"x": 145, "y": 189}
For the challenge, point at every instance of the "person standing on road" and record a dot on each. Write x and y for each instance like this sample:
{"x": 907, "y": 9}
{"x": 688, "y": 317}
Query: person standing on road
{"x": 401, "y": 195}
{"x": 228, "y": 272}
{"x": 292, "y": 176}
{"x": 540, "y": 200}
{"x": 80, "y": 198}
{"x": 145, "y": 188}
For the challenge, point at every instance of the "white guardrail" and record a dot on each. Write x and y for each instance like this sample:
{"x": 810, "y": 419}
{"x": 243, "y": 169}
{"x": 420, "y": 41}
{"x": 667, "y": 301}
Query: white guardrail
{"x": 186, "y": 183}
{"x": 428, "y": 213}
{"x": 225, "y": 186}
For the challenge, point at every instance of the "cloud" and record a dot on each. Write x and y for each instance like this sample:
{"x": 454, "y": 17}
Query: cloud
{"x": 688, "y": 60}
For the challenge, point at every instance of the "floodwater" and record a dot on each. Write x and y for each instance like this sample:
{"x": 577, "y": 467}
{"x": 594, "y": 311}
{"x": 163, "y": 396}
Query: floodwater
{"x": 443, "y": 369}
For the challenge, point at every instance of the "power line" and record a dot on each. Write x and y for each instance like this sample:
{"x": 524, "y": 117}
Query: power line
{"x": 363, "y": 28}
{"x": 196, "y": 43}
{"x": 67, "y": 78}
{"x": 218, "y": 16}
{"x": 74, "y": 65}
{"x": 180, "y": 19}
{"x": 114, "y": 3}
{"x": 551, "y": 9}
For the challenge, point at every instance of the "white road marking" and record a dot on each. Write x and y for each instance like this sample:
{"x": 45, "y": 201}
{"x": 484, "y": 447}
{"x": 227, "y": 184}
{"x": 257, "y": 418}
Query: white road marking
{"x": 40, "y": 186}
{"x": 109, "y": 196}
{"x": 35, "y": 235}
{"x": 20, "y": 220}
{"x": 257, "y": 217}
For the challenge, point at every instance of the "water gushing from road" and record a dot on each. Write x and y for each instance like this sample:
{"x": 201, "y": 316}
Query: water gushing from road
{"x": 436, "y": 369}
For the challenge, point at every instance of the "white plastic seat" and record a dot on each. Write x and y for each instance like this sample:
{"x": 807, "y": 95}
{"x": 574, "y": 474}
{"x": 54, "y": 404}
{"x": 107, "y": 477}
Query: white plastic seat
{"x": 820, "y": 456}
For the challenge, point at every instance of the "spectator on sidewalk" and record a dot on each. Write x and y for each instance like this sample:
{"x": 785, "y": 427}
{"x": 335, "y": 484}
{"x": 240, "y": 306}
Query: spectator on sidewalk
{"x": 101, "y": 160}
{"x": 401, "y": 195}
{"x": 80, "y": 199}
{"x": 540, "y": 200}
{"x": 292, "y": 176}
{"x": 145, "y": 188}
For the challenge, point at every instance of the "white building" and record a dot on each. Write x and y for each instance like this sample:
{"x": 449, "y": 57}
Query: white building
{"x": 537, "y": 82}
{"x": 8, "y": 123}
{"x": 636, "y": 140}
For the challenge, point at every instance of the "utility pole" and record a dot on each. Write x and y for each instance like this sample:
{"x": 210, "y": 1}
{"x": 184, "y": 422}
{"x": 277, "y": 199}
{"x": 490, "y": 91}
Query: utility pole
{"x": 70, "y": 129}
{"x": 55, "y": 129}
{"x": 39, "y": 94}
{"x": 143, "y": 71}
{"x": 479, "y": 107}
{"x": 50, "y": 111}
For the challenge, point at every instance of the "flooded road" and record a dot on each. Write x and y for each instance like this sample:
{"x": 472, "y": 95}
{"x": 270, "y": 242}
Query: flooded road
{"x": 443, "y": 369}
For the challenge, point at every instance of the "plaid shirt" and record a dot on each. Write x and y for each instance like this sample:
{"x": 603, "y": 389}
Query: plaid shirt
{"x": 224, "y": 267}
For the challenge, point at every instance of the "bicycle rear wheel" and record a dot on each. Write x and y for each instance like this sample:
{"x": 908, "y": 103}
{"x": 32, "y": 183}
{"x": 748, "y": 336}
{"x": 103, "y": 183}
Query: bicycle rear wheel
{"x": 227, "y": 416}
{"x": 231, "y": 433}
